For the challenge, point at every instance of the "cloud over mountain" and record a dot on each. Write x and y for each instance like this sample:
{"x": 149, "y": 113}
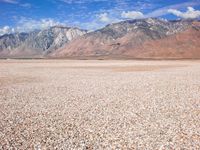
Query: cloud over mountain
{"x": 6, "y": 30}
{"x": 28, "y": 24}
{"x": 132, "y": 15}
{"x": 191, "y": 13}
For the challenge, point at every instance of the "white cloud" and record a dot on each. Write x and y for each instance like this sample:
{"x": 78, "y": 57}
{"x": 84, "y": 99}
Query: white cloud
{"x": 27, "y": 24}
{"x": 26, "y": 5}
{"x": 190, "y": 13}
{"x": 104, "y": 17}
{"x": 82, "y": 1}
{"x": 6, "y": 30}
{"x": 107, "y": 18}
{"x": 164, "y": 10}
{"x": 9, "y": 1}
{"x": 173, "y": 9}
{"x": 132, "y": 15}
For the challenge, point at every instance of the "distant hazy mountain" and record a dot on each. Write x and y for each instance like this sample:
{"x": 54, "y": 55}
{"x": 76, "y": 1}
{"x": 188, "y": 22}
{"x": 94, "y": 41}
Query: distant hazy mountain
{"x": 37, "y": 43}
{"x": 144, "y": 38}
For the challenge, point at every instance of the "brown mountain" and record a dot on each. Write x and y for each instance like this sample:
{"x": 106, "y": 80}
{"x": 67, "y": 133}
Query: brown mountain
{"x": 144, "y": 38}
{"x": 185, "y": 44}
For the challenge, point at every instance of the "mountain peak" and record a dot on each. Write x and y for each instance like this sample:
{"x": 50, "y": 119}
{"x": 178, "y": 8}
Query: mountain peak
{"x": 40, "y": 42}
{"x": 133, "y": 38}
{"x": 119, "y": 39}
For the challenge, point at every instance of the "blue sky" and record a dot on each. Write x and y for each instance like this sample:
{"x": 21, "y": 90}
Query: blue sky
{"x": 26, "y": 15}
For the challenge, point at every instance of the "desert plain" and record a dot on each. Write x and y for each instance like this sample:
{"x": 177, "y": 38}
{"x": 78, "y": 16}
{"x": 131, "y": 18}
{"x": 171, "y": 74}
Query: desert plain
{"x": 100, "y": 104}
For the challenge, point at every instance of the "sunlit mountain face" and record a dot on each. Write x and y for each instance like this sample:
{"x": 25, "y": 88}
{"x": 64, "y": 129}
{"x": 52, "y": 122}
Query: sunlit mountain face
{"x": 138, "y": 38}
{"x": 99, "y": 28}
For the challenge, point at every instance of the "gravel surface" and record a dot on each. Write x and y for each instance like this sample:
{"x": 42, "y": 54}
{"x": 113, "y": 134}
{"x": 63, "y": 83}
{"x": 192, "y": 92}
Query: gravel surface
{"x": 87, "y": 104}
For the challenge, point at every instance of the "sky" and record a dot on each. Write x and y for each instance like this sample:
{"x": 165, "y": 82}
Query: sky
{"x": 28, "y": 15}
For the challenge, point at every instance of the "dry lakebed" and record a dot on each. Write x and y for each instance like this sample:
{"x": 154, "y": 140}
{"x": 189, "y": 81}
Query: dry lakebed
{"x": 100, "y": 104}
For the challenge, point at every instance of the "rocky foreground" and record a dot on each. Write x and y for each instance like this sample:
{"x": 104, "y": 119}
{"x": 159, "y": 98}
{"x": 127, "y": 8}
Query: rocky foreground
{"x": 49, "y": 104}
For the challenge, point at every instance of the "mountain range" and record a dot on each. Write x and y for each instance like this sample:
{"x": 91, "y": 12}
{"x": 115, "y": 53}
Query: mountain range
{"x": 142, "y": 38}
{"x": 38, "y": 43}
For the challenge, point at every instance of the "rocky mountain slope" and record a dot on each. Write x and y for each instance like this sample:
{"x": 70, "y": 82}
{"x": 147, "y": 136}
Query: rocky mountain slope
{"x": 142, "y": 38}
{"x": 37, "y": 43}
{"x": 185, "y": 44}
{"x": 145, "y": 38}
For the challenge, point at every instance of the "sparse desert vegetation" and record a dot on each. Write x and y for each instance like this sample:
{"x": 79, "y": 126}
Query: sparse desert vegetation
{"x": 93, "y": 104}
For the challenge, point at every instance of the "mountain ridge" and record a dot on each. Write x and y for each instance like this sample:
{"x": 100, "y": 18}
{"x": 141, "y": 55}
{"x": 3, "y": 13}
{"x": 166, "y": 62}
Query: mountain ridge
{"x": 116, "y": 39}
{"x": 139, "y": 38}
{"x": 37, "y": 43}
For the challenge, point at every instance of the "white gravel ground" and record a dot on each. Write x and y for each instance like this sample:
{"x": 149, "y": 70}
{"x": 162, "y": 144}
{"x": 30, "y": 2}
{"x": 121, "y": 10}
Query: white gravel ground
{"x": 66, "y": 104}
